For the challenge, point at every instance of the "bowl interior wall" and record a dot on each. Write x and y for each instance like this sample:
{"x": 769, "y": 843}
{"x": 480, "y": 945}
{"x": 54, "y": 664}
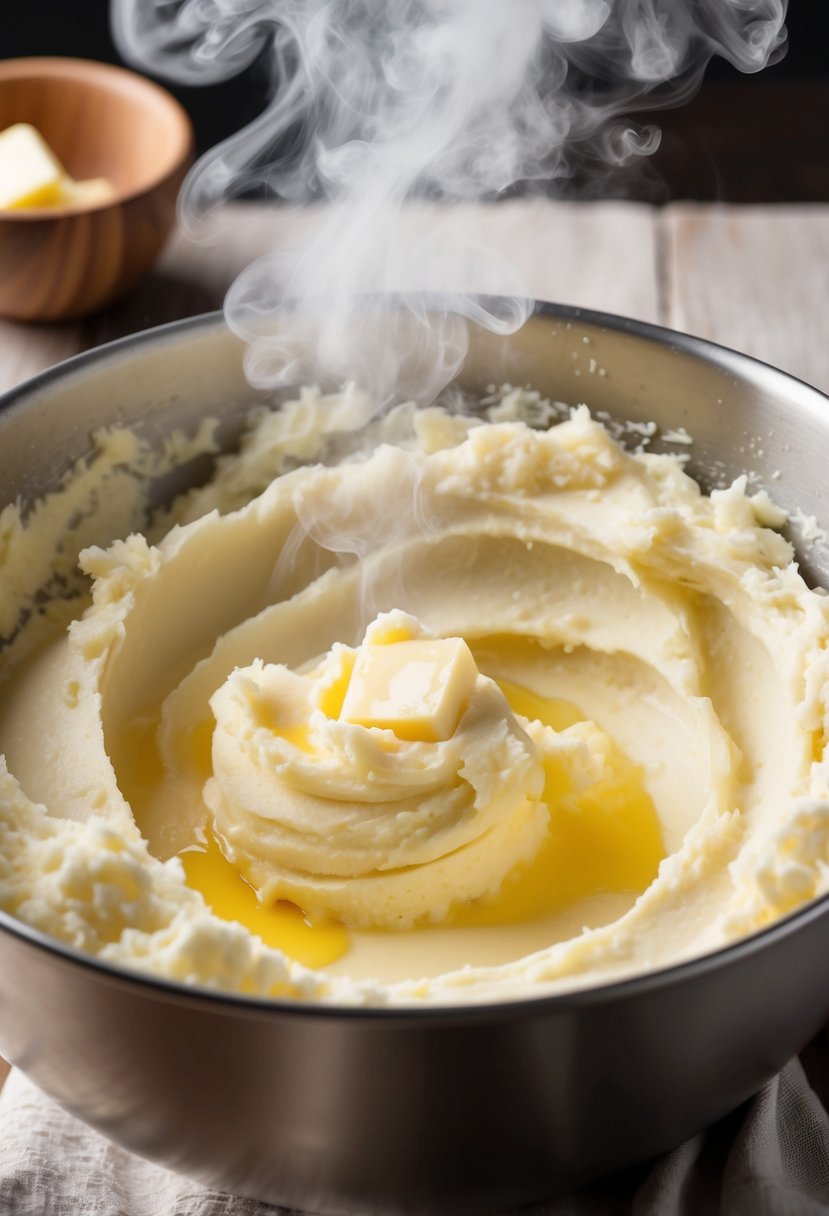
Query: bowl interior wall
{"x": 100, "y": 122}
{"x": 743, "y": 417}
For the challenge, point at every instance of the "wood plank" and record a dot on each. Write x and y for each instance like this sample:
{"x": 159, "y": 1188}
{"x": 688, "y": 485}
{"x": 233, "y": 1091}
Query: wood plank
{"x": 28, "y": 349}
{"x": 754, "y": 278}
{"x": 593, "y": 255}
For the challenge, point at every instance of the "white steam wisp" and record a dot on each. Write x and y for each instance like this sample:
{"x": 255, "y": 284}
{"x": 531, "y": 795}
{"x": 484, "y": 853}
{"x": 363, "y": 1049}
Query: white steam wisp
{"x": 376, "y": 104}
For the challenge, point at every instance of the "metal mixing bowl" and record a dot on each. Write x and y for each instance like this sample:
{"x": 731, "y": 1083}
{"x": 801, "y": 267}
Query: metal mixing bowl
{"x": 346, "y": 1110}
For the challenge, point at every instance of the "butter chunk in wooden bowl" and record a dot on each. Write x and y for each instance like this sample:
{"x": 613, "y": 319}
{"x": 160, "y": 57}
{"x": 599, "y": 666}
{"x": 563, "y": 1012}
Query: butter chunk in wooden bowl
{"x": 92, "y": 158}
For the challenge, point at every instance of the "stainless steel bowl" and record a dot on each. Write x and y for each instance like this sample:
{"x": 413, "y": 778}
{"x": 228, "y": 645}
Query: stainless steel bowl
{"x": 456, "y": 1109}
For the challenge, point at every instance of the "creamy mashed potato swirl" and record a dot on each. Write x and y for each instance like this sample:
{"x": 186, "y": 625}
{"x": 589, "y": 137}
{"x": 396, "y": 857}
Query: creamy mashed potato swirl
{"x": 676, "y": 623}
{"x": 355, "y": 822}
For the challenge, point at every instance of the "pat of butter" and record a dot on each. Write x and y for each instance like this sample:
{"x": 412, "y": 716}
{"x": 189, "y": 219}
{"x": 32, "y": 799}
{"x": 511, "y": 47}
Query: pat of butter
{"x": 418, "y": 689}
{"x": 30, "y": 173}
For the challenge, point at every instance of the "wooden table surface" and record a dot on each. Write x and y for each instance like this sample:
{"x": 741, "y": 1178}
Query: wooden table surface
{"x": 754, "y": 278}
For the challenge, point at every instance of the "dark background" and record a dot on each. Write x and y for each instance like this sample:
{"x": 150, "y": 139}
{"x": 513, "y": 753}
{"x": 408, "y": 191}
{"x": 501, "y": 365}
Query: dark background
{"x": 756, "y": 138}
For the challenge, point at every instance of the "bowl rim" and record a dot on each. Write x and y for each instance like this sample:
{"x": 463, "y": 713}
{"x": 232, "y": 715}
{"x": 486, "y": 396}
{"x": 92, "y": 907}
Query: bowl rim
{"x": 116, "y": 79}
{"x": 434, "y": 1013}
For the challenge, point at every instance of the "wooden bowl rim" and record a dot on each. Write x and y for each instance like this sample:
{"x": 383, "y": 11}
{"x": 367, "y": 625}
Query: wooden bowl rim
{"x": 120, "y": 80}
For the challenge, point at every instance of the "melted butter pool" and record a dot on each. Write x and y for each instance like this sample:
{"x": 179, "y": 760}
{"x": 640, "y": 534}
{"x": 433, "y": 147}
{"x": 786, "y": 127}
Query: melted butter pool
{"x": 602, "y": 849}
{"x": 280, "y": 924}
{"x": 605, "y": 840}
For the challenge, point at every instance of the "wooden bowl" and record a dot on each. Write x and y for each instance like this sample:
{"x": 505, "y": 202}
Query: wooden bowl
{"x": 101, "y": 121}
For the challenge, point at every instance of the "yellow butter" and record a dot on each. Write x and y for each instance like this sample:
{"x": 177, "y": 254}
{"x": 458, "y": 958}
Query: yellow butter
{"x": 30, "y": 173}
{"x": 418, "y": 689}
{"x": 32, "y": 176}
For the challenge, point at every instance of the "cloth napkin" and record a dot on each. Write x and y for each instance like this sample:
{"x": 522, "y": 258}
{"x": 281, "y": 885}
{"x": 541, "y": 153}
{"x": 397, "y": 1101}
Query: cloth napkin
{"x": 768, "y": 1158}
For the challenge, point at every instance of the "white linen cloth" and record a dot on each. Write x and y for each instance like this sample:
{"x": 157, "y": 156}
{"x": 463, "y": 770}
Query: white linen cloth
{"x": 769, "y": 1158}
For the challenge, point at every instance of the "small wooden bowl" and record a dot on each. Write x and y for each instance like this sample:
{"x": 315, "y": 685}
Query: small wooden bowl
{"x": 101, "y": 121}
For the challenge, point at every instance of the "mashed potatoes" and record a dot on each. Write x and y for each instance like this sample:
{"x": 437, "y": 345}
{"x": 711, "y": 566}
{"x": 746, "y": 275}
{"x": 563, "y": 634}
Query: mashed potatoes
{"x": 633, "y": 771}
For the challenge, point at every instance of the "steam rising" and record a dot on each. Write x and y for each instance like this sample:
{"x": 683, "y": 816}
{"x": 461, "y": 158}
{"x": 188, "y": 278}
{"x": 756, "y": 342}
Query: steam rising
{"x": 377, "y": 103}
